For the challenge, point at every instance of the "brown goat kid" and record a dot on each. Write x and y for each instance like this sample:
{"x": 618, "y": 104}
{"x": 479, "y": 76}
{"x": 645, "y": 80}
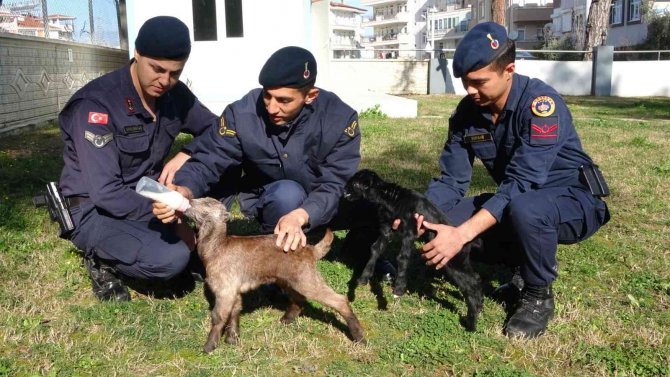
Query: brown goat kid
{"x": 237, "y": 264}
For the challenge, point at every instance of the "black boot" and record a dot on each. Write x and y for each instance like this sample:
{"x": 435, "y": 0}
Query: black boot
{"x": 509, "y": 294}
{"x": 106, "y": 285}
{"x": 535, "y": 310}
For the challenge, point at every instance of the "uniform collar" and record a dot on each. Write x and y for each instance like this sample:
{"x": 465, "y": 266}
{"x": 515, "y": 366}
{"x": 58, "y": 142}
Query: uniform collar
{"x": 131, "y": 101}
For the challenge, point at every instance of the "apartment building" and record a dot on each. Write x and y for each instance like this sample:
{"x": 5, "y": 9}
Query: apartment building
{"x": 526, "y": 20}
{"x": 345, "y": 30}
{"x": 415, "y": 28}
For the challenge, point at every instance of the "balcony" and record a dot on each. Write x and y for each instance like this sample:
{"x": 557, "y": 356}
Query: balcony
{"x": 389, "y": 19}
{"x": 531, "y": 13}
{"x": 388, "y": 40}
{"x": 451, "y": 33}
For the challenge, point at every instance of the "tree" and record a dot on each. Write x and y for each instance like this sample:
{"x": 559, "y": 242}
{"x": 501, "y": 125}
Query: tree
{"x": 658, "y": 32}
{"x": 596, "y": 25}
{"x": 498, "y": 11}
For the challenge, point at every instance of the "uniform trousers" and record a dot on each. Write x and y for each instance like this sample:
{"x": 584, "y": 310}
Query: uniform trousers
{"x": 534, "y": 223}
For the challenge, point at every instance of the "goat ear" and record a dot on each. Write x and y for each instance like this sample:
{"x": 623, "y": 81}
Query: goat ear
{"x": 226, "y": 216}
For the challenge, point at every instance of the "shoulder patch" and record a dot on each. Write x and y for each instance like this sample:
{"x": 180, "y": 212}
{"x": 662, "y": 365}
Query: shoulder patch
{"x": 98, "y": 141}
{"x": 223, "y": 130}
{"x": 351, "y": 129}
{"x": 543, "y": 106}
{"x": 544, "y": 131}
{"x": 97, "y": 118}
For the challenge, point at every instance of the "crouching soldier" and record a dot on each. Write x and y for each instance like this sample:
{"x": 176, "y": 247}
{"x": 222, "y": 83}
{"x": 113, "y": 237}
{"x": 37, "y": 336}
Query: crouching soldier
{"x": 549, "y": 190}
{"x": 117, "y": 129}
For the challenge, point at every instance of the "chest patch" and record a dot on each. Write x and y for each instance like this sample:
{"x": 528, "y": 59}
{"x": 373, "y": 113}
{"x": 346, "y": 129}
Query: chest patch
{"x": 133, "y": 129}
{"x": 544, "y": 131}
{"x": 97, "y": 118}
{"x": 477, "y": 138}
{"x": 98, "y": 141}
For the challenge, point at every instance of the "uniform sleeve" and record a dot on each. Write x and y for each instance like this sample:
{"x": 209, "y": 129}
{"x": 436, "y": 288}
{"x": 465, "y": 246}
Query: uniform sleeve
{"x": 540, "y": 139}
{"x": 456, "y": 170}
{"x": 336, "y": 169}
{"x": 212, "y": 153}
{"x": 92, "y": 133}
{"x": 198, "y": 120}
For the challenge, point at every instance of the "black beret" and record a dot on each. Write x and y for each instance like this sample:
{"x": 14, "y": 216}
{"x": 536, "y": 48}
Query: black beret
{"x": 163, "y": 37}
{"x": 479, "y": 47}
{"x": 289, "y": 67}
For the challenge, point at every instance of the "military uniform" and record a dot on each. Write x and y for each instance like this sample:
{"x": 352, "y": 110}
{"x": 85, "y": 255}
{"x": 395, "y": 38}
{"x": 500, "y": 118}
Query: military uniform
{"x": 549, "y": 190}
{"x": 111, "y": 141}
{"x": 304, "y": 163}
{"x": 533, "y": 154}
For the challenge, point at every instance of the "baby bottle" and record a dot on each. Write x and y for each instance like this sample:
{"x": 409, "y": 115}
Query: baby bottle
{"x": 149, "y": 188}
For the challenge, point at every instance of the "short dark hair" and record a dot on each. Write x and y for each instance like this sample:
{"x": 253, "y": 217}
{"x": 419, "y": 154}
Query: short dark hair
{"x": 506, "y": 55}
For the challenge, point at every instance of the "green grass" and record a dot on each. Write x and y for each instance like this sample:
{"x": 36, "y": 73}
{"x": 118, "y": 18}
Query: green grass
{"x": 613, "y": 292}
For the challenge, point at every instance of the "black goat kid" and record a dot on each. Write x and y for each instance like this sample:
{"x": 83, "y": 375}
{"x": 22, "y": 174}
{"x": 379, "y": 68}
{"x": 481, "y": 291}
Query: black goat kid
{"x": 395, "y": 202}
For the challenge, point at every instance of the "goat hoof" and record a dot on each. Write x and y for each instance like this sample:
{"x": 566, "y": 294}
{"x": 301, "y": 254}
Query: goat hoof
{"x": 286, "y": 320}
{"x": 233, "y": 340}
{"x": 209, "y": 347}
{"x": 397, "y": 293}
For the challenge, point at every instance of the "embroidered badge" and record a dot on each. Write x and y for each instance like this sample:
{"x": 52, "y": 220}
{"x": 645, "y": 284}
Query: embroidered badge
{"x": 543, "y": 106}
{"x": 223, "y": 130}
{"x": 133, "y": 129}
{"x": 477, "y": 138}
{"x": 351, "y": 130}
{"x": 543, "y": 131}
{"x": 98, "y": 141}
{"x": 306, "y": 73}
{"x": 97, "y": 118}
{"x": 494, "y": 42}
{"x": 130, "y": 105}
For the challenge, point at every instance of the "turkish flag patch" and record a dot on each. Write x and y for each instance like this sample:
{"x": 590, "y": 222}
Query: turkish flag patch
{"x": 97, "y": 118}
{"x": 543, "y": 130}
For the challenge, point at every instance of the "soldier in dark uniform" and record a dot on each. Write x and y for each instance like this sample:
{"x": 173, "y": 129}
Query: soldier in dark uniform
{"x": 116, "y": 129}
{"x": 522, "y": 131}
{"x": 296, "y": 145}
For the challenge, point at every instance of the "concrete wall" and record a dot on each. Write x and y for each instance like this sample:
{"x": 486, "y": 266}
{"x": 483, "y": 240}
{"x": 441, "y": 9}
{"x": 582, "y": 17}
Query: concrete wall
{"x": 382, "y": 76}
{"x": 638, "y": 79}
{"x": 38, "y": 76}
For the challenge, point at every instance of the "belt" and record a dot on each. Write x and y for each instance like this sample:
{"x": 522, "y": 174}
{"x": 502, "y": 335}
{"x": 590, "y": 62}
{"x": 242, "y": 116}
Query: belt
{"x": 76, "y": 201}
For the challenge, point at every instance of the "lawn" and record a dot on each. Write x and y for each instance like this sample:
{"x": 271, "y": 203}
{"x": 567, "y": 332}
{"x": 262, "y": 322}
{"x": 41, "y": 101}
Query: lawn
{"x": 612, "y": 295}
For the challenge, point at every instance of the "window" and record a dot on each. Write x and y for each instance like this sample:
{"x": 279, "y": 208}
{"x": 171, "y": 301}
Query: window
{"x": 439, "y": 22}
{"x": 481, "y": 9}
{"x": 616, "y": 14}
{"x": 521, "y": 35}
{"x": 204, "y": 20}
{"x": 234, "y": 26}
{"x": 634, "y": 10}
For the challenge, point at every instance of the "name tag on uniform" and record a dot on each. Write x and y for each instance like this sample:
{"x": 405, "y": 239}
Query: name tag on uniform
{"x": 477, "y": 138}
{"x": 133, "y": 129}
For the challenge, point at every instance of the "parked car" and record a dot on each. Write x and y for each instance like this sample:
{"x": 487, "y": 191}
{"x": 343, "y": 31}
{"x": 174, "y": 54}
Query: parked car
{"x": 525, "y": 55}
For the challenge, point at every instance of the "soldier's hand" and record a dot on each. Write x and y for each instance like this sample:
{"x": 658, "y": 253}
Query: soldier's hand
{"x": 163, "y": 212}
{"x": 171, "y": 167}
{"x": 289, "y": 230}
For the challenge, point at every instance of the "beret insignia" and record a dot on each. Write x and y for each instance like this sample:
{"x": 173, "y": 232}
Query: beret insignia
{"x": 223, "y": 130}
{"x": 98, "y": 141}
{"x": 494, "y": 42}
{"x": 351, "y": 130}
{"x": 543, "y": 106}
{"x": 306, "y": 73}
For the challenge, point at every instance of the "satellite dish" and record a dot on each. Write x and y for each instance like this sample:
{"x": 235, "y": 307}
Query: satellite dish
{"x": 513, "y": 35}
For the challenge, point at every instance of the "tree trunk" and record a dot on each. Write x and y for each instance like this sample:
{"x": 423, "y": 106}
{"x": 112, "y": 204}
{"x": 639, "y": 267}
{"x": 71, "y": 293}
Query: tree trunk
{"x": 596, "y": 26}
{"x": 121, "y": 19}
{"x": 498, "y": 11}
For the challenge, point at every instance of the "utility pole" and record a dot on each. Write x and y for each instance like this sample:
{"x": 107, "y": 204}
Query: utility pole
{"x": 45, "y": 18}
{"x": 90, "y": 19}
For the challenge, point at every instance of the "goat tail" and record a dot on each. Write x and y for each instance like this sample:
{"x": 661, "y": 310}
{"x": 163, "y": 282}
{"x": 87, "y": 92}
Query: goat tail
{"x": 323, "y": 247}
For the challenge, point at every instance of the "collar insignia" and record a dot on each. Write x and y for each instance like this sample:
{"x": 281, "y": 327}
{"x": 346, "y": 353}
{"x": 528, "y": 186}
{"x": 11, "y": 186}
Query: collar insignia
{"x": 130, "y": 105}
{"x": 351, "y": 130}
{"x": 223, "y": 130}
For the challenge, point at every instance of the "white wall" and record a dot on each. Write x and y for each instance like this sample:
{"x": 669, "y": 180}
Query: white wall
{"x": 222, "y": 71}
{"x": 568, "y": 78}
{"x": 638, "y": 79}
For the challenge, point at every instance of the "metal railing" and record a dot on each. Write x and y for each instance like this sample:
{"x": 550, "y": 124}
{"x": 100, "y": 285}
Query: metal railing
{"x": 85, "y": 21}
